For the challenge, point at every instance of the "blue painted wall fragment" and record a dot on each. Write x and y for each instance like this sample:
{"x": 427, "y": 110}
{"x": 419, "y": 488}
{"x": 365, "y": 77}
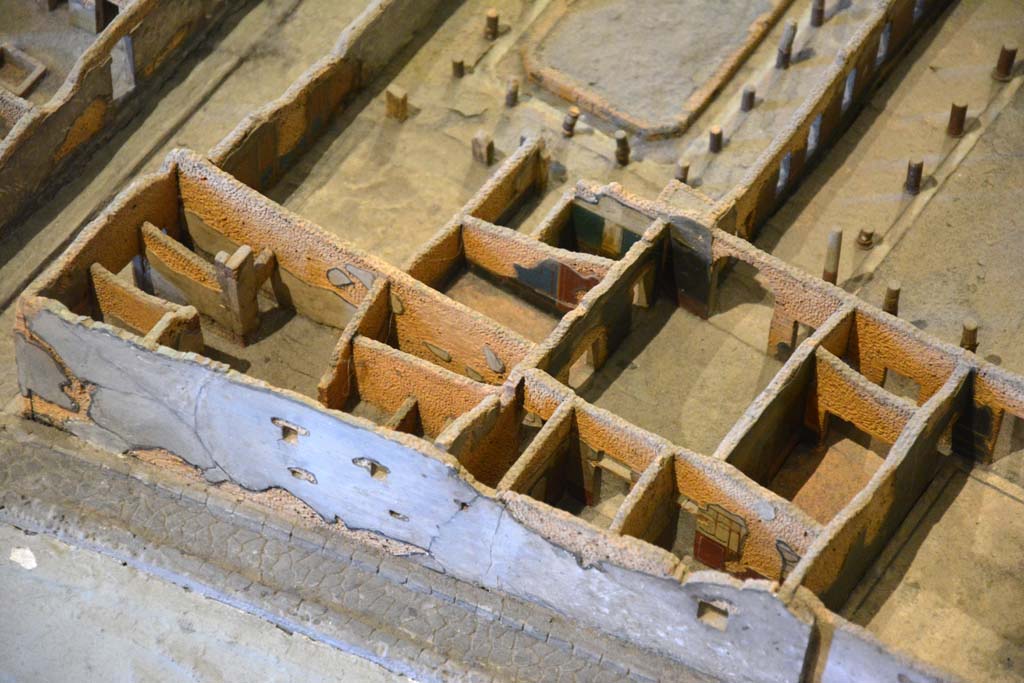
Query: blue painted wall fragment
{"x": 556, "y": 281}
{"x": 542, "y": 278}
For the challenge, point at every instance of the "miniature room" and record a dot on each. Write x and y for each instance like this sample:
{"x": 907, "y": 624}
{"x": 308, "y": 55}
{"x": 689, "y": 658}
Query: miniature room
{"x": 32, "y": 65}
{"x": 829, "y": 430}
{"x": 254, "y": 314}
{"x": 495, "y": 437}
{"x": 575, "y": 463}
{"x": 405, "y": 393}
{"x": 520, "y": 283}
{"x": 700, "y": 373}
{"x": 592, "y": 224}
{"x": 711, "y": 516}
{"x": 368, "y": 376}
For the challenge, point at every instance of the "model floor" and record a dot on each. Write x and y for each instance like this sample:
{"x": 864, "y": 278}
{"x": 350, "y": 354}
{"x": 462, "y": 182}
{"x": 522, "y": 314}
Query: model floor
{"x": 947, "y": 589}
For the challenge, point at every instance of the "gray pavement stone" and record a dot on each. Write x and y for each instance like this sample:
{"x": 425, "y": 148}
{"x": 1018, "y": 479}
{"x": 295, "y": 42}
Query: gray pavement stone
{"x": 393, "y": 570}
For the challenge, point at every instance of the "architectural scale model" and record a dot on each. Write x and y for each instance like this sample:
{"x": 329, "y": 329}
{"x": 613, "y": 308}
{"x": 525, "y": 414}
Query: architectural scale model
{"x": 588, "y": 308}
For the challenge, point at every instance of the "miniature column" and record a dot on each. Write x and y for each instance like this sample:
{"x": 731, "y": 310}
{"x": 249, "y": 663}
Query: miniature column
{"x": 569, "y": 122}
{"x": 512, "y": 93}
{"x": 969, "y": 335}
{"x": 817, "y": 13}
{"x": 957, "y": 118}
{"x": 785, "y": 53}
{"x": 866, "y": 239}
{"x": 491, "y": 25}
{"x": 715, "y": 140}
{"x": 397, "y": 103}
{"x": 483, "y": 148}
{"x": 915, "y": 169}
{"x": 891, "y": 304}
{"x": 748, "y": 98}
{"x": 832, "y": 252}
{"x": 621, "y": 148}
{"x": 1004, "y": 67}
{"x": 682, "y": 172}
{"x": 236, "y": 275}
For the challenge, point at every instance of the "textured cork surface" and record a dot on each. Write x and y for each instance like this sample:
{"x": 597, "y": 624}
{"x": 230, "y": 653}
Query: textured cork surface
{"x": 586, "y": 390}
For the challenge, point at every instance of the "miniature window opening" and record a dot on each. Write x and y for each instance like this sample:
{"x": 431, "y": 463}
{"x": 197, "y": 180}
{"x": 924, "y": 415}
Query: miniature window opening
{"x": 643, "y": 289}
{"x": 851, "y": 81}
{"x": 1009, "y": 442}
{"x": 374, "y": 468}
{"x": 582, "y": 369}
{"x": 918, "y": 9}
{"x": 290, "y": 433}
{"x": 901, "y": 385}
{"x": 302, "y": 474}
{"x": 883, "y": 44}
{"x": 784, "y": 165}
{"x": 813, "y": 136}
{"x": 122, "y": 67}
{"x": 106, "y": 11}
{"x": 585, "y": 365}
{"x": 714, "y": 615}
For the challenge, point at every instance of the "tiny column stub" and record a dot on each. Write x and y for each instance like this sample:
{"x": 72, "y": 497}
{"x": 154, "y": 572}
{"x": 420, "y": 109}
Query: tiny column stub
{"x": 491, "y": 24}
{"x": 397, "y": 103}
{"x": 969, "y": 335}
{"x": 891, "y": 304}
{"x": 1004, "y": 65}
{"x": 569, "y": 122}
{"x": 682, "y": 171}
{"x": 915, "y": 170}
{"x": 957, "y": 119}
{"x": 715, "y": 139}
{"x": 785, "y": 54}
{"x": 512, "y": 92}
{"x": 748, "y": 98}
{"x": 621, "y": 148}
{"x": 483, "y": 148}
{"x": 832, "y": 252}
{"x": 817, "y": 13}
{"x": 866, "y": 239}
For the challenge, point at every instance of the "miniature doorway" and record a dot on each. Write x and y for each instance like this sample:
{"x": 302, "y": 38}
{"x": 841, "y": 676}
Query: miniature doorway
{"x": 105, "y": 13}
{"x": 589, "y": 356}
{"x": 643, "y": 288}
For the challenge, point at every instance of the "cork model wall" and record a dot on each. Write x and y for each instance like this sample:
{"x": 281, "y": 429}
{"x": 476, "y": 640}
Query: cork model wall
{"x": 501, "y": 286}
